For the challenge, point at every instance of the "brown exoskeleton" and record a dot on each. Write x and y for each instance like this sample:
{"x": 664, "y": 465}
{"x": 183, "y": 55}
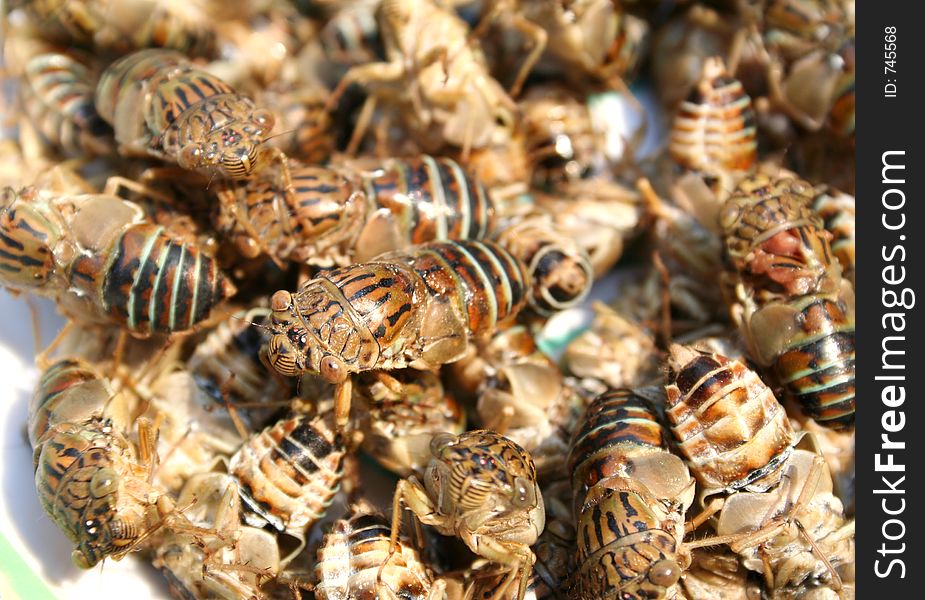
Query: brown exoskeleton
{"x": 482, "y": 488}
{"x": 435, "y": 77}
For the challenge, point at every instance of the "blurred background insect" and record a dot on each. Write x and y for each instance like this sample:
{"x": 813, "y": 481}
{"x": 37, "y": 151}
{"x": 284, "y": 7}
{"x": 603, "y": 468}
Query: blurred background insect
{"x": 795, "y": 309}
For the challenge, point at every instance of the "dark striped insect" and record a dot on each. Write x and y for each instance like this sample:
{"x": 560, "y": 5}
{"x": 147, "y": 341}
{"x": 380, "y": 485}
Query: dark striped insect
{"x": 418, "y": 308}
{"x": 352, "y": 213}
{"x": 90, "y": 479}
{"x": 350, "y": 557}
{"x": 480, "y": 487}
{"x": 729, "y": 426}
{"x": 795, "y": 309}
{"x": 714, "y": 128}
{"x": 630, "y": 497}
{"x": 159, "y": 104}
{"x": 289, "y": 474}
{"x": 99, "y": 259}
{"x": 56, "y": 94}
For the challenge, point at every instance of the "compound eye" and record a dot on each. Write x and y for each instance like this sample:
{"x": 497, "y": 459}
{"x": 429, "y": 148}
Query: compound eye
{"x": 104, "y": 483}
{"x": 665, "y": 573}
{"x": 80, "y": 560}
{"x": 264, "y": 119}
{"x": 190, "y": 156}
{"x": 333, "y": 369}
{"x": 281, "y": 301}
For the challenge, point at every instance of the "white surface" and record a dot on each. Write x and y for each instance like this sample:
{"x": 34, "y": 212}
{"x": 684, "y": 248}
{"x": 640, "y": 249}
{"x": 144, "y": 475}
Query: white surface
{"x": 23, "y": 523}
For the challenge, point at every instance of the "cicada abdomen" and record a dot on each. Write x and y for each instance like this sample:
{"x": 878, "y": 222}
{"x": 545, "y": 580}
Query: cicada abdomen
{"x": 95, "y": 255}
{"x": 350, "y": 557}
{"x": 794, "y": 307}
{"x": 89, "y": 477}
{"x": 558, "y": 267}
{"x": 729, "y": 426}
{"x": 160, "y": 105}
{"x": 630, "y": 497}
{"x": 355, "y": 212}
{"x": 415, "y": 308}
{"x": 57, "y": 95}
{"x": 289, "y": 474}
{"x": 839, "y": 217}
{"x": 714, "y": 128}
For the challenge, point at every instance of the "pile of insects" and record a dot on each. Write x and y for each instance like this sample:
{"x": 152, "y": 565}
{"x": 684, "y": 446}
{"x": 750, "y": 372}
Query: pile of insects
{"x": 309, "y": 254}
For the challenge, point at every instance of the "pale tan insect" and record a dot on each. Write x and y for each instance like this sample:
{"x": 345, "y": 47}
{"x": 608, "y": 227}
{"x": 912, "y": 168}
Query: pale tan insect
{"x": 523, "y": 395}
{"x": 400, "y": 412}
{"x": 680, "y": 47}
{"x": 449, "y": 97}
{"x": 357, "y": 561}
{"x": 217, "y": 557}
{"x": 586, "y": 37}
{"x": 614, "y": 350}
{"x": 796, "y": 534}
{"x": 600, "y": 215}
{"x": 480, "y": 487}
{"x": 719, "y": 576}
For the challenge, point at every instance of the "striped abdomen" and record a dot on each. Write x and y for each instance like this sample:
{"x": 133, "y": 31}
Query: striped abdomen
{"x": 57, "y": 94}
{"x": 352, "y": 553}
{"x": 69, "y": 391}
{"x": 431, "y": 199}
{"x": 28, "y": 238}
{"x": 483, "y": 281}
{"x": 557, "y": 266}
{"x": 147, "y": 282}
{"x": 728, "y": 423}
{"x": 714, "y": 127}
{"x": 615, "y": 425}
{"x": 838, "y": 214}
{"x": 815, "y": 361}
{"x": 289, "y": 473}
